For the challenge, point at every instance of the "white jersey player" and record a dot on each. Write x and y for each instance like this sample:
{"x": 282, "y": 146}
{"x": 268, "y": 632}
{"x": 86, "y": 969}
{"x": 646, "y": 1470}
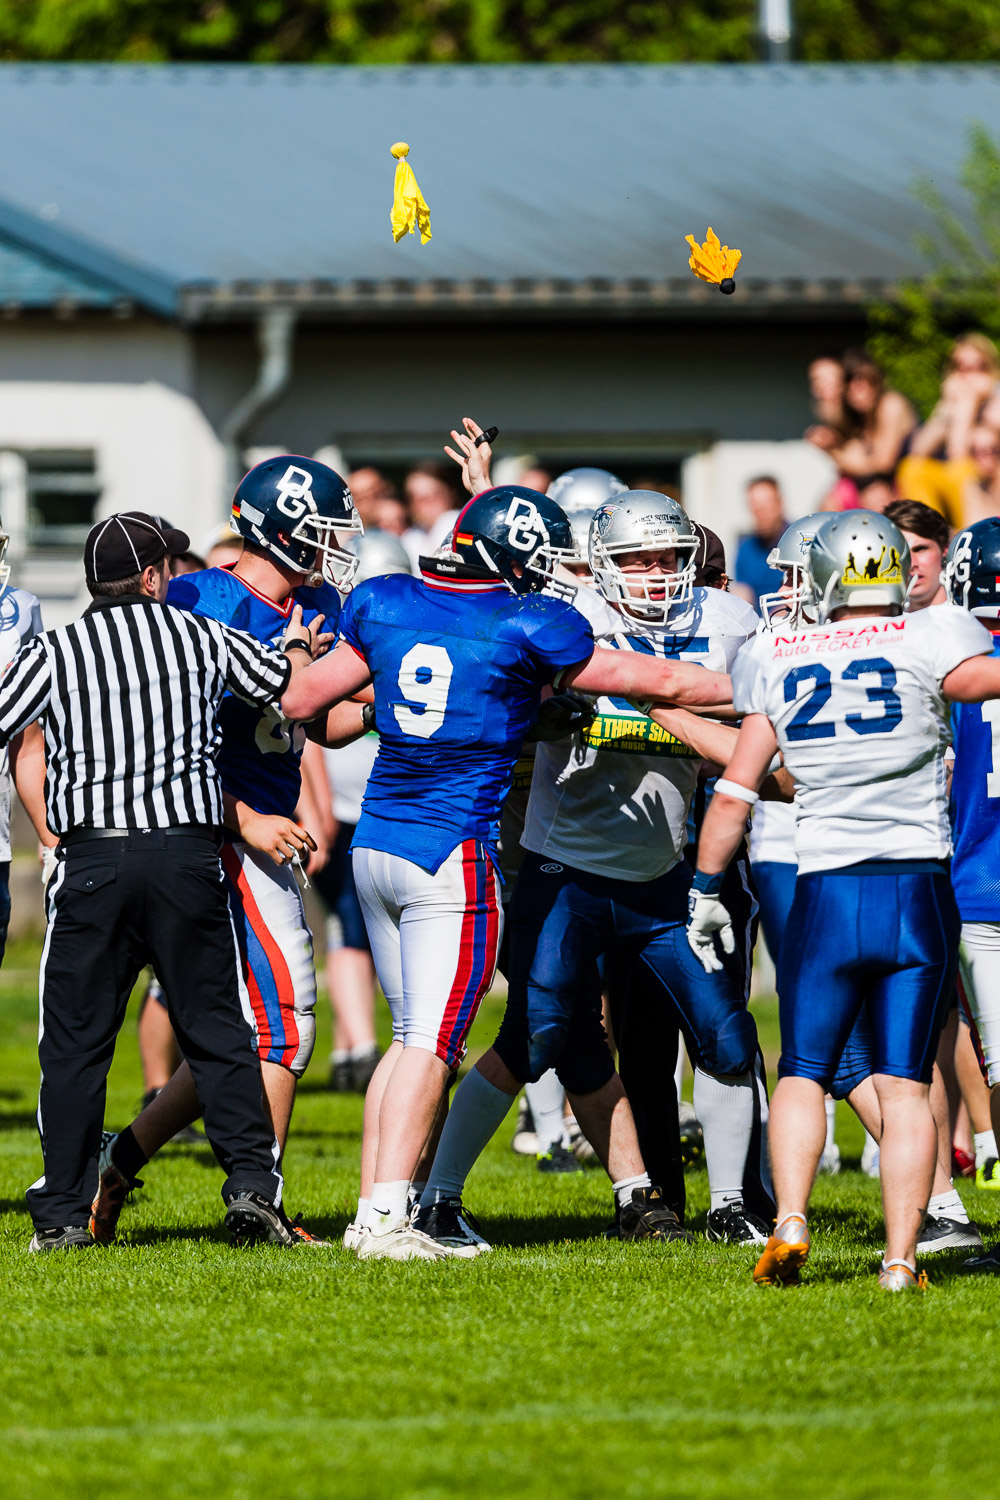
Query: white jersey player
{"x": 20, "y": 619}
{"x": 858, "y": 705}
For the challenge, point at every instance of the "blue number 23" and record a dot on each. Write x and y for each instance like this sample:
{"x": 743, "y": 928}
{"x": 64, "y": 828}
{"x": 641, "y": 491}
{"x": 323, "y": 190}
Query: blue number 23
{"x": 804, "y": 725}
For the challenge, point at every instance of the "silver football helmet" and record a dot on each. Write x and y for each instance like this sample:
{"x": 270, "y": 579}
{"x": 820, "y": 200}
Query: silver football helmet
{"x": 643, "y": 521}
{"x": 5, "y": 565}
{"x": 858, "y": 559}
{"x": 584, "y": 489}
{"x": 793, "y": 604}
{"x": 378, "y": 553}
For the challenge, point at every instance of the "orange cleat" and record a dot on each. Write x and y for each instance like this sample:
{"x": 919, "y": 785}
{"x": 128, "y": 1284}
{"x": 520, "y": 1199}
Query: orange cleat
{"x": 897, "y": 1276}
{"x": 784, "y": 1254}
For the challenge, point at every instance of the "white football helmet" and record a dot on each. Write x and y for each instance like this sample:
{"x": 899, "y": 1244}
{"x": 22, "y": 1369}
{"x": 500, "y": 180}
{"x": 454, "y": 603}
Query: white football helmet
{"x": 643, "y": 521}
{"x": 794, "y": 603}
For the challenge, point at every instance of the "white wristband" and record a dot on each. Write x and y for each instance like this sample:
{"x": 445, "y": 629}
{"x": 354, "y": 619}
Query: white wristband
{"x": 733, "y": 789}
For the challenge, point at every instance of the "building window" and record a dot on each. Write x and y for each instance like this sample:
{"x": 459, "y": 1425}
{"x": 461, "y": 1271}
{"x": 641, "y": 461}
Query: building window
{"x": 62, "y": 491}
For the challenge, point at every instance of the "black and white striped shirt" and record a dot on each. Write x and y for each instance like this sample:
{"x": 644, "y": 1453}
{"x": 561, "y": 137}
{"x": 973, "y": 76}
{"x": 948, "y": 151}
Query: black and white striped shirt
{"x": 128, "y": 697}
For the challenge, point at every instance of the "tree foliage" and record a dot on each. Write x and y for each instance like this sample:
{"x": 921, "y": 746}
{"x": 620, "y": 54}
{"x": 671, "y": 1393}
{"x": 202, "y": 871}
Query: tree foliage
{"x": 488, "y": 31}
{"x": 911, "y": 335}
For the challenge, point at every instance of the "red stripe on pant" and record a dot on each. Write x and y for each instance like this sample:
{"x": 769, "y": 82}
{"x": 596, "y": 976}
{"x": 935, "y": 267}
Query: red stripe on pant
{"x": 474, "y": 971}
{"x": 284, "y": 988}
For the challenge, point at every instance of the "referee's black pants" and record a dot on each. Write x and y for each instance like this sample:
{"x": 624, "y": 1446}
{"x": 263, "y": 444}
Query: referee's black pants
{"x": 115, "y": 905}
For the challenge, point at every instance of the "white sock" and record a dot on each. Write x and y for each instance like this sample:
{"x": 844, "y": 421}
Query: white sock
{"x": 547, "y": 1098}
{"x": 358, "y": 1054}
{"x": 623, "y": 1188}
{"x": 388, "y": 1206}
{"x": 986, "y": 1147}
{"x": 476, "y": 1113}
{"x": 725, "y": 1111}
{"x": 361, "y": 1217}
{"x": 679, "y": 1070}
{"x": 948, "y": 1206}
{"x": 831, "y": 1121}
{"x": 340, "y": 1055}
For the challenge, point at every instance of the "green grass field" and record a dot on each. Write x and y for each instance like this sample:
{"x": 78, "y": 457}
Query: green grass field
{"x": 559, "y": 1365}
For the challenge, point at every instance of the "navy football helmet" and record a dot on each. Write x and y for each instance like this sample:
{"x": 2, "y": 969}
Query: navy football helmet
{"x": 301, "y": 512}
{"x": 512, "y": 533}
{"x": 972, "y": 568}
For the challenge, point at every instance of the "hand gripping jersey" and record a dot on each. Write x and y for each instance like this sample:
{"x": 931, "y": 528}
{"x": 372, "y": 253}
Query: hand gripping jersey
{"x": 261, "y": 751}
{"x": 615, "y": 801}
{"x": 975, "y": 808}
{"x": 458, "y": 671}
{"x": 862, "y": 724}
{"x": 20, "y": 619}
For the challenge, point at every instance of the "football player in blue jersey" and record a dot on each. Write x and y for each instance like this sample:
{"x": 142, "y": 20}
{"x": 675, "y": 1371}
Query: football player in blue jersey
{"x": 459, "y": 659}
{"x": 604, "y": 876}
{"x": 972, "y": 579}
{"x": 295, "y": 516}
{"x": 857, "y": 704}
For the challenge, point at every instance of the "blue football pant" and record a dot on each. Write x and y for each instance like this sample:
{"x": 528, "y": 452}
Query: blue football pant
{"x": 881, "y": 946}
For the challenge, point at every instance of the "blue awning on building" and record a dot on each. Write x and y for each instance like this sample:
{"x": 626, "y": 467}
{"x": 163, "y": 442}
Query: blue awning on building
{"x": 206, "y": 191}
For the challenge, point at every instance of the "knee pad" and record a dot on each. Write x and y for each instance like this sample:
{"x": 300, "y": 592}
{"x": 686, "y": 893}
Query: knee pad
{"x": 545, "y": 1048}
{"x": 733, "y": 1048}
{"x": 306, "y": 1022}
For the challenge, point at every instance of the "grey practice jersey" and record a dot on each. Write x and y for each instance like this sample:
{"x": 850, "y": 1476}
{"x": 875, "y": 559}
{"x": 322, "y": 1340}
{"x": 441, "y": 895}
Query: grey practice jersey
{"x": 20, "y": 619}
{"x": 862, "y": 723}
{"x": 615, "y": 800}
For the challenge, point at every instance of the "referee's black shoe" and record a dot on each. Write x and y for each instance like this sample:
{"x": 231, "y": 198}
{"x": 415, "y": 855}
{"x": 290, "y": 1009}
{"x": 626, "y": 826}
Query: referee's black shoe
{"x": 252, "y": 1220}
{"x": 646, "y": 1217}
{"x": 60, "y": 1237}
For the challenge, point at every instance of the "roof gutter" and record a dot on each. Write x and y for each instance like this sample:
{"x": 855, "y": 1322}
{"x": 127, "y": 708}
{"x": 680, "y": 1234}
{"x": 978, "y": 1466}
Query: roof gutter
{"x": 275, "y": 333}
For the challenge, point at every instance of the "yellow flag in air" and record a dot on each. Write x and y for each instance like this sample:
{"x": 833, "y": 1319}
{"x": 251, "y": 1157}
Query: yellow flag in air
{"x": 714, "y": 261}
{"x": 409, "y": 209}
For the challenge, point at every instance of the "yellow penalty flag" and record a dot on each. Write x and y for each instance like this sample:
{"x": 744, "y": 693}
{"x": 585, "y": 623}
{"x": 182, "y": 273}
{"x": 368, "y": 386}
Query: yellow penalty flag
{"x": 714, "y": 261}
{"x": 409, "y": 210}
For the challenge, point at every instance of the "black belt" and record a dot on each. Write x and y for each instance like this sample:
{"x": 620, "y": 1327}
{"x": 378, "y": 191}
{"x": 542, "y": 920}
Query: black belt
{"x": 183, "y": 830}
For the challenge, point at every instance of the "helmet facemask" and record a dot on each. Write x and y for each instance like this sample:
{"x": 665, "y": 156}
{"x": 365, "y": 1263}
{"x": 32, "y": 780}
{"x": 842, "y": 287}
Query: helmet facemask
{"x": 648, "y": 597}
{"x": 793, "y": 604}
{"x": 4, "y": 564}
{"x": 329, "y": 538}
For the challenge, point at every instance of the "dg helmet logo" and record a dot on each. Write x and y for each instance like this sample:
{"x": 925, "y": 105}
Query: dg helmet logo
{"x": 295, "y": 492}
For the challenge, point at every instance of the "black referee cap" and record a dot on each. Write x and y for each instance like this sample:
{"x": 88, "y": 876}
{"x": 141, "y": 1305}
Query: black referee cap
{"x": 127, "y": 543}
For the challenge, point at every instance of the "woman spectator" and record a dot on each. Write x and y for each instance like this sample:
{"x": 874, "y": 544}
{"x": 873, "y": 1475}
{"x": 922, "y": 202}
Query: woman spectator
{"x": 981, "y": 495}
{"x": 877, "y": 424}
{"x": 940, "y": 467}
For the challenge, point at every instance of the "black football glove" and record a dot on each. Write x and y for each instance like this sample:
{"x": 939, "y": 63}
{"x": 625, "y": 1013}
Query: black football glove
{"x": 559, "y": 716}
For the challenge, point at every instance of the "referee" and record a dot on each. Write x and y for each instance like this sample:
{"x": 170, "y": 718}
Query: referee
{"x": 128, "y": 697}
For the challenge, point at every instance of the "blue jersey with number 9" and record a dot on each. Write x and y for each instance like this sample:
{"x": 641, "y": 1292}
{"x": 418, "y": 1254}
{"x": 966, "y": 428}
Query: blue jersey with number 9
{"x": 260, "y": 750}
{"x": 975, "y": 808}
{"x": 458, "y": 671}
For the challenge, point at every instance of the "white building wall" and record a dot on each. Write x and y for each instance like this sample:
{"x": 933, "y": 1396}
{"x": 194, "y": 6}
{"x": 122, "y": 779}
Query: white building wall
{"x": 154, "y": 451}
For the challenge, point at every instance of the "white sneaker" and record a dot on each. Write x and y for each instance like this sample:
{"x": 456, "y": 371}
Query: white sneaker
{"x": 353, "y": 1235}
{"x": 525, "y": 1142}
{"x": 829, "y": 1162}
{"x": 401, "y": 1243}
{"x": 869, "y": 1158}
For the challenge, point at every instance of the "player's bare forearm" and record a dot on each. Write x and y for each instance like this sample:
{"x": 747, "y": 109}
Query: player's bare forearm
{"x": 626, "y": 674}
{"x": 27, "y": 767}
{"x": 341, "y": 726}
{"x": 726, "y": 819}
{"x": 321, "y": 684}
{"x": 712, "y": 741}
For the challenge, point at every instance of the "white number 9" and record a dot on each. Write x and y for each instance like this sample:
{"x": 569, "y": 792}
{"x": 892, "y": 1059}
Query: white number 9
{"x": 425, "y": 680}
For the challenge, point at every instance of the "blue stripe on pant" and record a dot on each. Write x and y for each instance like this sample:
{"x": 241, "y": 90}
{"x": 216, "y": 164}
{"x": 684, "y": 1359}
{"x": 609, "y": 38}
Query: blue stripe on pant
{"x": 880, "y": 947}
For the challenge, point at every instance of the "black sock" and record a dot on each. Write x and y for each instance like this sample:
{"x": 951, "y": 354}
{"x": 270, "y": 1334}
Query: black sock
{"x": 127, "y": 1154}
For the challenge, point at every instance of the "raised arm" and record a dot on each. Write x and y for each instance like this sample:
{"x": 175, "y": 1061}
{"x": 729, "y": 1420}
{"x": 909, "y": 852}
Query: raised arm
{"x": 973, "y": 680}
{"x": 318, "y": 687}
{"x": 627, "y": 674}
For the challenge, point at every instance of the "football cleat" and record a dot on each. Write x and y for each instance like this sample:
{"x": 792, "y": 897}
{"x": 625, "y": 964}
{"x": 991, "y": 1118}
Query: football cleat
{"x": 784, "y": 1254}
{"x": 947, "y": 1234}
{"x": 452, "y": 1227}
{"x": 988, "y": 1175}
{"x": 353, "y": 1235}
{"x": 735, "y": 1225}
{"x": 577, "y": 1141}
{"x": 525, "y": 1141}
{"x": 341, "y": 1079}
{"x": 362, "y": 1070}
{"x": 252, "y": 1220}
{"x": 962, "y": 1164}
{"x": 558, "y": 1158}
{"x": 987, "y": 1264}
{"x": 113, "y": 1188}
{"x": 60, "y": 1237}
{"x": 296, "y": 1227}
{"x": 829, "y": 1162}
{"x": 402, "y": 1243}
{"x": 897, "y": 1276}
{"x": 870, "y": 1158}
{"x": 647, "y": 1217}
{"x": 692, "y": 1136}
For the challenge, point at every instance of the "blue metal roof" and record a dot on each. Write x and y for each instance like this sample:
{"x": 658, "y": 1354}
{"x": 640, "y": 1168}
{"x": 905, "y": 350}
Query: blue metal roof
{"x": 29, "y": 279}
{"x": 164, "y": 177}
